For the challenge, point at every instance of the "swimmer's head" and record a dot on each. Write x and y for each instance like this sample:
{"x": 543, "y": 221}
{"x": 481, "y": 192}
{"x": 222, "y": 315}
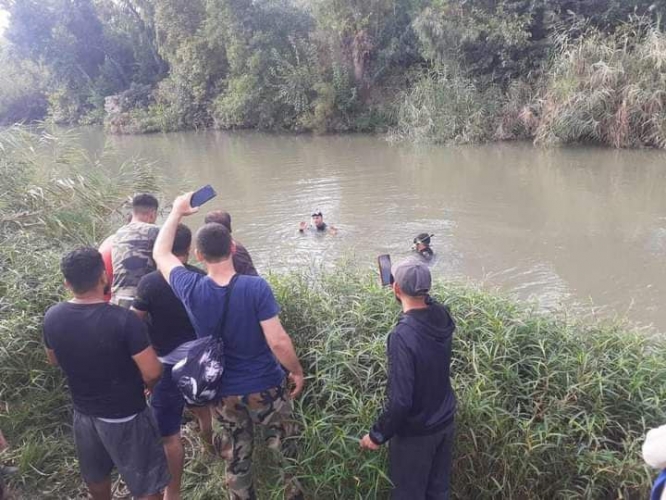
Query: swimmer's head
{"x": 423, "y": 238}
{"x": 317, "y": 218}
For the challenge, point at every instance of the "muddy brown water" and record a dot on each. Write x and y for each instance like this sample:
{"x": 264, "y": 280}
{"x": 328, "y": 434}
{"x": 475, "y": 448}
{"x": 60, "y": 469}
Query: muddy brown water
{"x": 581, "y": 227}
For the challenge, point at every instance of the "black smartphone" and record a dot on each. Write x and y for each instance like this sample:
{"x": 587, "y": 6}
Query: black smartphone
{"x": 384, "y": 262}
{"x": 201, "y": 196}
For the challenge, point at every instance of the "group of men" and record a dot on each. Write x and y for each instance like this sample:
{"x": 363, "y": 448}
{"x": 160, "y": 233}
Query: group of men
{"x": 115, "y": 353}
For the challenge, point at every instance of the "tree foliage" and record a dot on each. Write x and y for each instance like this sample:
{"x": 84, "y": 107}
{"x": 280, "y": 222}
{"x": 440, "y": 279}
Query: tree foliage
{"x": 322, "y": 65}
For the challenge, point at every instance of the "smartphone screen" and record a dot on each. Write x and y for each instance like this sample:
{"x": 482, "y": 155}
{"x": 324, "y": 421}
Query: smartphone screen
{"x": 384, "y": 262}
{"x": 202, "y": 195}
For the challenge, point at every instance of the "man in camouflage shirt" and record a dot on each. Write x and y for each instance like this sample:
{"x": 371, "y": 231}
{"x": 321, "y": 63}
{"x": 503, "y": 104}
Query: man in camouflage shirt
{"x": 132, "y": 254}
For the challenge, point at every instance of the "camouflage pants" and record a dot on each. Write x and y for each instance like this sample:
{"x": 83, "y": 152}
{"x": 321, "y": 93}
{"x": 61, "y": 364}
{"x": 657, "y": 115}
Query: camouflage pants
{"x": 238, "y": 416}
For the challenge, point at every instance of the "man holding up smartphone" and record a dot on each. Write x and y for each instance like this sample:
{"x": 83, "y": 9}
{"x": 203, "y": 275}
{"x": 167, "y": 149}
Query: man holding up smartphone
{"x": 418, "y": 416}
{"x": 254, "y": 390}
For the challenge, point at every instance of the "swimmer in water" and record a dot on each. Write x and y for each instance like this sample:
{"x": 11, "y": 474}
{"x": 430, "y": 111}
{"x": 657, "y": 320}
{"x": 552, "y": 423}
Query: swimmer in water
{"x": 422, "y": 246}
{"x": 318, "y": 225}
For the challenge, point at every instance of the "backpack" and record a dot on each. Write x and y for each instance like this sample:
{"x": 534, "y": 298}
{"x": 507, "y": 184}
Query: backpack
{"x": 199, "y": 375}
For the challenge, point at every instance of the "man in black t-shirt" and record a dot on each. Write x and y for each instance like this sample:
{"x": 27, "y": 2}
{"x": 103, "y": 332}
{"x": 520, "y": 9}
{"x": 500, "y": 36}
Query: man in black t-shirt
{"x": 172, "y": 335}
{"x": 241, "y": 258}
{"x": 107, "y": 358}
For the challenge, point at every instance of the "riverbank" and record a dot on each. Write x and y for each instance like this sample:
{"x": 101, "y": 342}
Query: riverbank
{"x": 444, "y": 71}
{"x": 548, "y": 406}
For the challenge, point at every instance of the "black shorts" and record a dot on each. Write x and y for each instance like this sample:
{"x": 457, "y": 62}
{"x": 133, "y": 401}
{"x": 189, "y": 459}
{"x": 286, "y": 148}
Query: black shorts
{"x": 134, "y": 447}
{"x": 167, "y": 403}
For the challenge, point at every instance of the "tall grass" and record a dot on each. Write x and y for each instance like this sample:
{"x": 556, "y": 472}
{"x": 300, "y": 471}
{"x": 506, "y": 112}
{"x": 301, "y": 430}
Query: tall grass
{"x": 444, "y": 106}
{"x": 600, "y": 88}
{"x": 608, "y": 90}
{"x": 548, "y": 407}
{"x": 53, "y": 196}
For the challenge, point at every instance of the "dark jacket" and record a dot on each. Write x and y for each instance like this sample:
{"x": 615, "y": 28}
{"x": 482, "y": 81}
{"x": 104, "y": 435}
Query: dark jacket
{"x": 420, "y": 397}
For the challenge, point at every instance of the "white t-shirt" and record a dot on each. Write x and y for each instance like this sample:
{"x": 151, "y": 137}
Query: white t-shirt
{"x": 654, "y": 450}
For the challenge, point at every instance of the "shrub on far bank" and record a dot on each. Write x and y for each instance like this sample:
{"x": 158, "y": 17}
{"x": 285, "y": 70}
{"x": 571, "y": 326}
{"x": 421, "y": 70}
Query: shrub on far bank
{"x": 608, "y": 90}
{"x": 22, "y": 90}
{"x": 445, "y": 106}
{"x": 599, "y": 88}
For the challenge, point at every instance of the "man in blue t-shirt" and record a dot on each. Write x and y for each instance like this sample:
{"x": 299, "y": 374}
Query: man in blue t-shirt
{"x": 255, "y": 345}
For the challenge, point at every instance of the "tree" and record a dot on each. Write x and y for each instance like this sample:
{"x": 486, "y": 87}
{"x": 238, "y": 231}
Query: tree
{"x": 363, "y": 29}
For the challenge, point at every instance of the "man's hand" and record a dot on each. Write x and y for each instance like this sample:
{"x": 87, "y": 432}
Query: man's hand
{"x": 302, "y": 226}
{"x": 298, "y": 381}
{"x": 368, "y": 443}
{"x": 181, "y": 205}
{"x": 3, "y": 442}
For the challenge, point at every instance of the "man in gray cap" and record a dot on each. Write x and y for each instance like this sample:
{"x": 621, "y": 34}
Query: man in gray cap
{"x": 419, "y": 412}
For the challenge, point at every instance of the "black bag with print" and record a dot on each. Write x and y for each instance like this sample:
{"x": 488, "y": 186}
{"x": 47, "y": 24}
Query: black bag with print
{"x": 199, "y": 375}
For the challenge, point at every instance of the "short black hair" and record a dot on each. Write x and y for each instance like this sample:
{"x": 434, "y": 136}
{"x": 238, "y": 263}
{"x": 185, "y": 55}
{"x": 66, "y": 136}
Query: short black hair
{"x": 214, "y": 242}
{"x": 182, "y": 241}
{"x": 82, "y": 269}
{"x": 219, "y": 216}
{"x": 144, "y": 202}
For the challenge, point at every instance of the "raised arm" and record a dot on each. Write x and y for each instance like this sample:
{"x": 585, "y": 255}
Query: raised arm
{"x": 165, "y": 260}
{"x": 280, "y": 343}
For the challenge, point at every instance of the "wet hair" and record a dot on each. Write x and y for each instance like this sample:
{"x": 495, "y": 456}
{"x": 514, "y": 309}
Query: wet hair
{"x": 82, "y": 269}
{"x": 220, "y": 217}
{"x": 144, "y": 203}
{"x": 182, "y": 241}
{"x": 423, "y": 238}
{"x": 214, "y": 242}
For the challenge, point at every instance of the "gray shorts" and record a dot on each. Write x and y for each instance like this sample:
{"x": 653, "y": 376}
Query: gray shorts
{"x": 134, "y": 447}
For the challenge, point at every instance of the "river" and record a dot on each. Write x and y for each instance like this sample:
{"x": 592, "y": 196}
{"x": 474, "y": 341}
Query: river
{"x": 582, "y": 227}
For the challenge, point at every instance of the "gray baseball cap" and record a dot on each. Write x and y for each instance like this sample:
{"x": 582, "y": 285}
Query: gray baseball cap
{"x": 413, "y": 277}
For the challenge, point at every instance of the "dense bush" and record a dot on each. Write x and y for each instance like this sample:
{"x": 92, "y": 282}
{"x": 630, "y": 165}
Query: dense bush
{"x": 445, "y": 107}
{"x": 608, "y": 90}
{"x": 22, "y": 89}
{"x": 344, "y": 65}
{"x": 547, "y": 408}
